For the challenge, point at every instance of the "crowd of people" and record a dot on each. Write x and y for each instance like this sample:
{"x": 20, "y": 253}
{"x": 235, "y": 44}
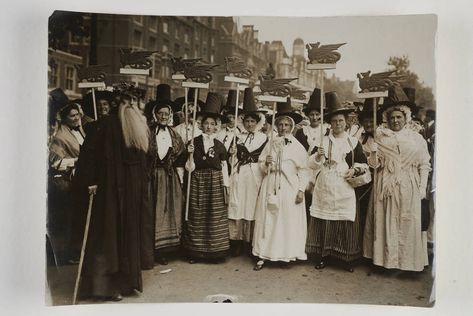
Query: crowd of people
{"x": 168, "y": 177}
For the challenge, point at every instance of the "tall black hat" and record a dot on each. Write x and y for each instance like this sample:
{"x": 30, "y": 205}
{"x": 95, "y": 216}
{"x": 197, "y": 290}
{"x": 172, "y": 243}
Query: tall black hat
{"x": 396, "y": 96}
{"x": 314, "y": 102}
{"x": 285, "y": 109}
{"x": 212, "y": 106}
{"x": 179, "y": 102}
{"x": 228, "y": 107}
{"x": 411, "y": 95}
{"x": 249, "y": 104}
{"x": 57, "y": 100}
{"x": 367, "y": 111}
{"x": 335, "y": 106}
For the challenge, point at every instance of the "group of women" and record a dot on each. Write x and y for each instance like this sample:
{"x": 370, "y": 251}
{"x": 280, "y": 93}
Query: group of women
{"x": 247, "y": 192}
{"x": 285, "y": 193}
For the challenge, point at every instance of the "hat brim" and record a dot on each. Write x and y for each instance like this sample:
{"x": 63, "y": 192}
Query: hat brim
{"x": 306, "y": 111}
{"x": 211, "y": 114}
{"x": 338, "y": 111}
{"x": 295, "y": 116}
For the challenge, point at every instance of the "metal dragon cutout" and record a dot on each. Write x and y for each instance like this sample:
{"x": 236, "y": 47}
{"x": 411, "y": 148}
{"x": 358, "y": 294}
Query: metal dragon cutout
{"x": 199, "y": 72}
{"x": 93, "y": 73}
{"x": 236, "y": 66}
{"x": 136, "y": 59}
{"x": 324, "y": 54}
{"x": 179, "y": 64}
{"x": 276, "y": 87}
{"x": 378, "y": 82}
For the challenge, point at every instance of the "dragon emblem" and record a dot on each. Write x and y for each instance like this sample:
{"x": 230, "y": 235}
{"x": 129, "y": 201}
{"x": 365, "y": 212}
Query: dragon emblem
{"x": 199, "y": 72}
{"x": 179, "y": 64}
{"x": 236, "y": 66}
{"x": 136, "y": 60}
{"x": 93, "y": 73}
{"x": 324, "y": 54}
{"x": 297, "y": 93}
{"x": 378, "y": 82}
{"x": 276, "y": 87}
{"x": 129, "y": 88}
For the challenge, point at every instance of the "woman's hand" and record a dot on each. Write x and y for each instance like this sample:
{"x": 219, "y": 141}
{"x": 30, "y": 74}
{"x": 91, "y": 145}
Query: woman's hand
{"x": 320, "y": 154}
{"x": 269, "y": 160}
{"x": 93, "y": 189}
{"x": 232, "y": 150}
{"x": 299, "y": 197}
{"x": 190, "y": 148}
{"x": 349, "y": 173}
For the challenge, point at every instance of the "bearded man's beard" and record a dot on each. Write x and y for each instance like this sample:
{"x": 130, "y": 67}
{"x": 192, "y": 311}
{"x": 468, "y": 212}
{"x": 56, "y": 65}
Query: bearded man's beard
{"x": 134, "y": 127}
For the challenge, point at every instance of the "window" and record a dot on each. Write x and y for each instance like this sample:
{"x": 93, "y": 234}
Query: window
{"x": 186, "y": 38}
{"x": 165, "y": 46}
{"x": 165, "y": 27}
{"x": 138, "y": 19}
{"x": 176, "y": 50}
{"x": 137, "y": 38}
{"x": 197, "y": 51}
{"x": 53, "y": 74}
{"x": 153, "y": 23}
{"x": 196, "y": 35}
{"x": 212, "y": 58}
{"x": 212, "y": 41}
{"x": 70, "y": 77}
{"x": 152, "y": 43}
{"x": 176, "y": 32}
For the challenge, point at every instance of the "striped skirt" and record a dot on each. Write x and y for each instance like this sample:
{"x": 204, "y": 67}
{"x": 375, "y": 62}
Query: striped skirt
{"x": 206, "y": 231}
{"x": 339, "y": 239}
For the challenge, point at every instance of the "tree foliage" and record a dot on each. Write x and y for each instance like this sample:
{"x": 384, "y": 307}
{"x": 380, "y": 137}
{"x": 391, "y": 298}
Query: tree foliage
{"x": 424, "y": 95}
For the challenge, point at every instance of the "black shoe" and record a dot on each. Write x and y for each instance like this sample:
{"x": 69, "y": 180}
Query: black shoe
{"x": 320, "y": 265}
{"x": 162, "y": 261}
{"x": 259, "y": 265}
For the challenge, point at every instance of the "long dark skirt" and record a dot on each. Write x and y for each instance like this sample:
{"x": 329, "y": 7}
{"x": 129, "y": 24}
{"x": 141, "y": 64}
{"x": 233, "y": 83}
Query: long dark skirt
{"x": 338, "y": 239}
{"x": 168, "y": 209}
{"x": 206, "y": 233}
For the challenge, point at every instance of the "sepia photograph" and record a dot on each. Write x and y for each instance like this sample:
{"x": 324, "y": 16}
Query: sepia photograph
{"x": 241, "y": 159}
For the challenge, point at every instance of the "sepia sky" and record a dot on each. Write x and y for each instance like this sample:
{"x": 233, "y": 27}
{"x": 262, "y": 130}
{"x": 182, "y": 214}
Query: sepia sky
{"x": 370, "y": 40}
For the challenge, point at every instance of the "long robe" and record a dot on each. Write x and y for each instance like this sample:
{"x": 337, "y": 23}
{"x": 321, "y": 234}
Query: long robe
{"x": 245, "y": 185}
{"x": 166, "y": 190}
{"x": 113, "y": 253}
{"x": 280, "y": 233}
{"x": 393, "y": 237}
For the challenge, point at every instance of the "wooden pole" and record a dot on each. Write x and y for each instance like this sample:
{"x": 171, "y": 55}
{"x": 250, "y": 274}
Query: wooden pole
{"x": 186, "y": 115}
{"x": 191, "y": 157}
{"x": 233, "y": 159}
{"x": 322, "y": 109}
{"x": 268, "y": 192}
{"x": 375, "y": 170}
{"x": 95, "y": 104}
{"x": 82, "y": 252}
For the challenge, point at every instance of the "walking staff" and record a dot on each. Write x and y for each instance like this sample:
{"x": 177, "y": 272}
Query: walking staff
{"x": 92, "y": 191}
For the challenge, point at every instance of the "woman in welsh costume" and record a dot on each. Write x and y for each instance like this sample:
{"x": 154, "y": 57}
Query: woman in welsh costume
{"x": 206, "y": 233}
{"x": 247, "y": 176}
{"x": 393, "y": 235}
{"x": 334, "y": 226}
{"x": 166, "y": 150}
{"x": 281, "y": 226}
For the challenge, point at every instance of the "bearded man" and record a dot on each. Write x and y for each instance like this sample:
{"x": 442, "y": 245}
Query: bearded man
{"x": 117, "y": 172}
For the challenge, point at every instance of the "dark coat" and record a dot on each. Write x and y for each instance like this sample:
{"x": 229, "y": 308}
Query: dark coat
{"x": 113, "y": 253}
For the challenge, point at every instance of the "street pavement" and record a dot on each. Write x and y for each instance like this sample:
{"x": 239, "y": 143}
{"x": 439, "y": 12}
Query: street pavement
{"x": 300, "y": 282}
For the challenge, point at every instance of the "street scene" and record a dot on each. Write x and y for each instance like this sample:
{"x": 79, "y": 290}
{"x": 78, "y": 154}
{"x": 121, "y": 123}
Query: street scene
{"x": 240, "y": 159}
